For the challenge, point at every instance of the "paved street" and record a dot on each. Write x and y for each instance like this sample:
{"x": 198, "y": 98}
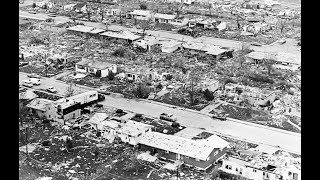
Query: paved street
{"x": 243, "y": 131}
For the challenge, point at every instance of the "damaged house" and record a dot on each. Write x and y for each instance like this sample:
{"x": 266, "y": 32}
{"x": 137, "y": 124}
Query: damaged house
{"x": 62, "y": 110}
{"x": 263, "y": 166}
{"x": 98, "y": 68}
{"x": 215, "y": 51}
{"x": 38, "y": 106}
{"x": 141, "y": 14}
{"x": 127, "y": 130}
{"x": 198, "y": 153}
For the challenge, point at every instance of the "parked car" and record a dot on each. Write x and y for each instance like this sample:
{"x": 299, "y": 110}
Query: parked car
{"x": 33, "y": 75}
{"x": 51, "y": 89}
{"x": 167, "y": 117}
{"x": 27, "y": 83}
{"x": 32, "y": 12}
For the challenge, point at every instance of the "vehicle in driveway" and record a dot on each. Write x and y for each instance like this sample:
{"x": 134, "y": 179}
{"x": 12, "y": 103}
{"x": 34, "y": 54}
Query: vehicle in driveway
{"x": 167, "y": 117}
{"x": 51, "y": 89}
{"x": 27, "y": 83}
{"x": 35, "y": 81}
{"x": 33, "y": 75}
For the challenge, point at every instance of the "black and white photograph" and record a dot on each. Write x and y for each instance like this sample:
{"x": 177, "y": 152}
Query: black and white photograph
{"x": 159, "y": 90}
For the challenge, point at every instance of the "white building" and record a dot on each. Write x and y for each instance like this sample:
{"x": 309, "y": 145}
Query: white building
{"x": 141, "y": 14}
{"x": 99, "y": 68}
{"x": 127, "y": 130}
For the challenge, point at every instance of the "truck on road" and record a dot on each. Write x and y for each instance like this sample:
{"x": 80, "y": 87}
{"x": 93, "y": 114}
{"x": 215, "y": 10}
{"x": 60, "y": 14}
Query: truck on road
{"x": 35, "y": 81}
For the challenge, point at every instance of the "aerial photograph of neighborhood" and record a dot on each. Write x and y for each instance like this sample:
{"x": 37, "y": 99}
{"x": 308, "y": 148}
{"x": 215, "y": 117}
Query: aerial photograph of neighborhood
{"x": 159, "y": 89}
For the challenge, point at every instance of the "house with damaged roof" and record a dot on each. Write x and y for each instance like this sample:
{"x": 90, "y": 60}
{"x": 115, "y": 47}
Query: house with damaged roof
{"x": 96, "y": 67}
{"x": 126, "y": 130}
{"x": 263, "y": 163}
{"x": 200, "y": 153}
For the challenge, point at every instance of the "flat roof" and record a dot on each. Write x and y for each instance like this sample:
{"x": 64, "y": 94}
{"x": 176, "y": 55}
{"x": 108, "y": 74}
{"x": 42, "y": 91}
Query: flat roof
{"x": 82, "y": 94}
{"x": 81, "y": 28}
{"x": 96, "y": 31}
{"x": 39, "y": 104}
{"x": 98, "y": 117}
{"x": 257, "y": 55}
{"x": 288, "y": 58}
{"x": 29, "y": 94}
{"x": 101, "y": 65}
{"x": 121, "y": 35}
{"x": 141, "y": 12}
{"x": 65, "y": 102}
{"x": 165, "y": 16}
{"x": 133, "y": 128}
{"x": 199, "y": 149}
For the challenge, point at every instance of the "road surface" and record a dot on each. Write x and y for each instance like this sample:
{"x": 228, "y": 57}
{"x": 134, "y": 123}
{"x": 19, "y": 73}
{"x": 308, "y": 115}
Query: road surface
{"x": 258, "y": 134}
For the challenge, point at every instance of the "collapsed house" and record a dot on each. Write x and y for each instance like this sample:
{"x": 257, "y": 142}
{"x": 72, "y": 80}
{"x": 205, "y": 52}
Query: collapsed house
{"x": 38, "y": 106}
{"x": 263, "y": 163}
{"x": 98, "y": 68}
{"x": 127, "y": 130}
{"x": 198, "y": 153}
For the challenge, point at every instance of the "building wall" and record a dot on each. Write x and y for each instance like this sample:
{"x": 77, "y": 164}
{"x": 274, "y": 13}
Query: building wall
{"x": 51, "y": 114}
{"x": 72, "y": 115}
{"x": 81, "y": 70}
{"x": 187, "y": 160}
{"x": 105, "y": 72}
{"x": 248, "y": 172}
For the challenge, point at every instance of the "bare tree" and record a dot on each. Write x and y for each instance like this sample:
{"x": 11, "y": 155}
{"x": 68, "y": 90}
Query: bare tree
{"x": 281, "y": 25}
{"x": 194, "y": 78}
{"x": 102, "y": 13}
{"x": 89, "y": 12}
{"x": 177, "y": 7}
{"x": 242, "y": 52}
{"x": 69, "y": 91}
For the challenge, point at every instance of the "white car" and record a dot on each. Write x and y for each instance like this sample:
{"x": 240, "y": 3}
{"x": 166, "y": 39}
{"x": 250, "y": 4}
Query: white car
{"x": 35, "y": 81}
{"x": 51, "y": 89}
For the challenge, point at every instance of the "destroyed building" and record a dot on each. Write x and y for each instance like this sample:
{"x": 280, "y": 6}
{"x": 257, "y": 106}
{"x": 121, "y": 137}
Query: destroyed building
{"x": 98, "y": 68}
{"x": 263, "y": 162}
{"x": 127, "y": 130}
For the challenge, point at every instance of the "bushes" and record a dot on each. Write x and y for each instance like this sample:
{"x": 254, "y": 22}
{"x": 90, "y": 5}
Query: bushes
{"x": 119, "y": 52}
{"x": 111, "y": 75}
{"x": 143, "y": 6}
{"x": 142, "y": 91}
{"x": 260, "y": 78}
{"x": 35, "y": 40}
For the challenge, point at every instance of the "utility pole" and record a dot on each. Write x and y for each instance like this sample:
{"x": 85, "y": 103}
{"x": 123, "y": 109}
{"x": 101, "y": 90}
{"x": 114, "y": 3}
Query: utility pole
{"x": 27, "y": 142}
